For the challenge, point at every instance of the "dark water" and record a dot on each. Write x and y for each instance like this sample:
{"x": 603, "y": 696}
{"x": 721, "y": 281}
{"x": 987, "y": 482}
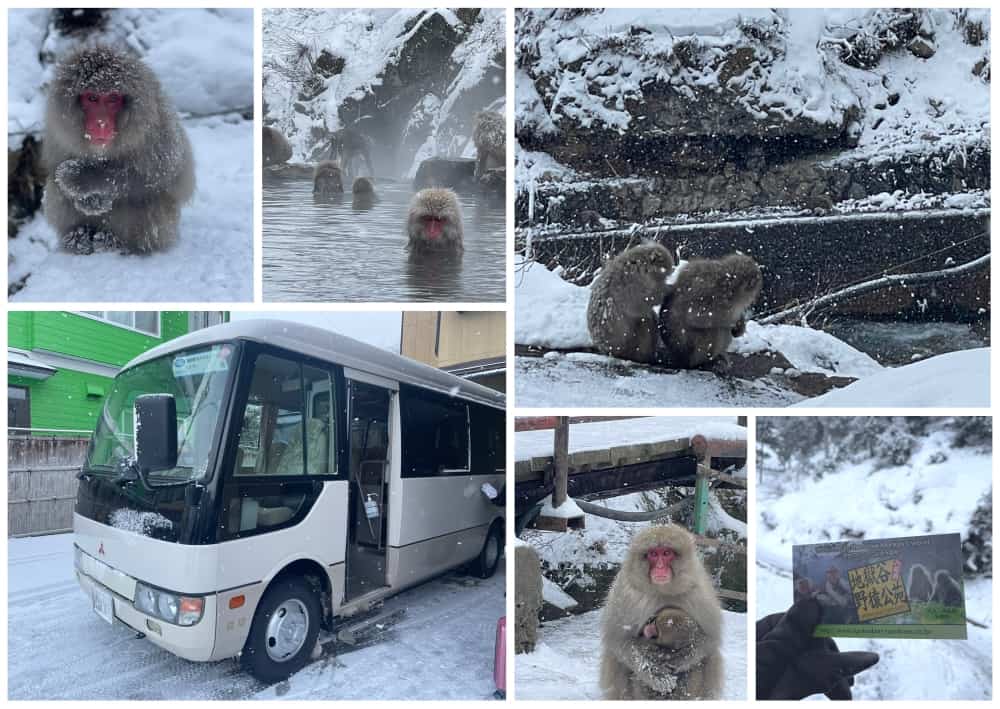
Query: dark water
{"x": 897, "y": 343}
{"x": 333, "y": 252}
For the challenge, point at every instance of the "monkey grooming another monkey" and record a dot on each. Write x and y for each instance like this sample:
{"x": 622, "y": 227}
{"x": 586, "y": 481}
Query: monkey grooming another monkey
{"x": 119, "y": 162}
{"x": 620, "y": 314}
{"x": 706, "y": 308}
{"x": 275, "y": 147}
{"x": 490, "y": 139}
{"x": 327, "y": 179}
{"x": 434, "y": 223}
{"x": 661, "y": 572}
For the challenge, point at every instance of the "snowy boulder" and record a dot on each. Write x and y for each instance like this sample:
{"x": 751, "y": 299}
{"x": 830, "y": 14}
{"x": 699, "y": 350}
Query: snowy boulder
{"x": 527, "y": 597}
{"x": 922, "y": 47}
{"x": 456, "y": 173}
{"x": 955, "y": 379}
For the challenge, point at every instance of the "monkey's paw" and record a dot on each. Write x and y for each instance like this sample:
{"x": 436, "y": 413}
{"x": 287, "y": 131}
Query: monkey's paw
{"x": 93, "y": 204}
{"x": 85, "y": 240}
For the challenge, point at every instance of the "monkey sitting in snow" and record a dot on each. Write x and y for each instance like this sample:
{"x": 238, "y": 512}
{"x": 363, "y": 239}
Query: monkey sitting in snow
{"x": 620, "y": 316}
{"x": 706, "y": 308}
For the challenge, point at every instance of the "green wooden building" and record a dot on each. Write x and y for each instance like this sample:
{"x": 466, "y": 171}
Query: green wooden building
{"x": 60, "y": 364}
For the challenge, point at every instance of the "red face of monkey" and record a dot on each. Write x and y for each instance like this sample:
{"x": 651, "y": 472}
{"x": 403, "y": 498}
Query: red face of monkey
{"x": 660, "y": 559}
{"x": 100, "y": 116}
{"x": 433, "y": 227}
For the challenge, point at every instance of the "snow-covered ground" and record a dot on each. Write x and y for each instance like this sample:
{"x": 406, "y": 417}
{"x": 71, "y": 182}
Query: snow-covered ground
{"x": 952, "y": 379}
{"x": 552, "y": 313}
{"x": 935, "y": 492}
{"x": 59, "y": 649}
{"x": 582, "y": 379}
{"x": 600, "y": 435}
{"x": 567, "y": 659}
{"x": 213, "y": 260}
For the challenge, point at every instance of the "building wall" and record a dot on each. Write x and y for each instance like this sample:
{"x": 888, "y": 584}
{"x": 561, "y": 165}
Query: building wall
{"x": 70, "y": 399}
{"x": 464, "y": 337}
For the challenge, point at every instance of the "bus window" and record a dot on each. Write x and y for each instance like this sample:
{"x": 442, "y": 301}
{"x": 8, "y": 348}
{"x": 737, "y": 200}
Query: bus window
{"x": 321, "y": 440}
{"x": 489, "y": 440}
{"x": 435, "y": 434}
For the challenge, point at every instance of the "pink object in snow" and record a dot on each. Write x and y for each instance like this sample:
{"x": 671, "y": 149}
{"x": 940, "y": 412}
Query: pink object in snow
{"x": 500, "y": 657}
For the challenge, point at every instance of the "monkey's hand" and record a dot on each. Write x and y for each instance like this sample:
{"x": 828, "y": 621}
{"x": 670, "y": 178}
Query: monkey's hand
{"x": 92, "y": 185}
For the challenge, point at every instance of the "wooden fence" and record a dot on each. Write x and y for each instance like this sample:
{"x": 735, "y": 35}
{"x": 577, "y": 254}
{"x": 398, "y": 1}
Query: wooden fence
{"x": 41, "y": 480}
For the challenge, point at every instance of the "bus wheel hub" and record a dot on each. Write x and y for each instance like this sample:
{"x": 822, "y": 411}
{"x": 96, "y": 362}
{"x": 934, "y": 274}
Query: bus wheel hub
{"x": 287, "y": 630}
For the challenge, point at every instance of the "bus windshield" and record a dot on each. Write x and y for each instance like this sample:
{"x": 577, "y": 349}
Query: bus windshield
{"x": 197, "y": 380}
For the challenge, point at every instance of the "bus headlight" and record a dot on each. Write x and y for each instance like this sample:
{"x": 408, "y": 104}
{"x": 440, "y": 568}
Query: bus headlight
{"x": 171, "y": 607}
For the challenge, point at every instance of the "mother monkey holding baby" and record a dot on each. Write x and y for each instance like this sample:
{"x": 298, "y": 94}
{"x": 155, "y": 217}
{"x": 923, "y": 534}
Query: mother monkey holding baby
{"x": 662, "y": 624}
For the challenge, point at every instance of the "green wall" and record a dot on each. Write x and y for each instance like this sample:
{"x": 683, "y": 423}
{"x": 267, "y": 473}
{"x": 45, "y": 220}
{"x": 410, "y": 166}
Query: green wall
{"x": 62, "y": 401}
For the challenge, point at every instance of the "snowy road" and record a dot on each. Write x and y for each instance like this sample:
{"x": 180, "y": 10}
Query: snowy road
{"x": 567, "y": 659}
{"x": 59, "y": 649}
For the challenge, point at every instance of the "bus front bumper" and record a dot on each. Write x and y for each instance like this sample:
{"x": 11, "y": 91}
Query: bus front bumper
{"x": 112, "y": 601}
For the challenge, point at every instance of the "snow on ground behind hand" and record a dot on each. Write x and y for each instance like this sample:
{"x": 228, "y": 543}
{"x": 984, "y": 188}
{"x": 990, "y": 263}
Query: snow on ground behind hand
{"x": 212, "y": 261}
{"x": 566, "y": 661}
{"x": 923, "y": 497}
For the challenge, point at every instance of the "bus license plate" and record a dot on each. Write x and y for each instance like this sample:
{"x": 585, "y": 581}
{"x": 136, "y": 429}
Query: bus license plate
{"x": 104, "y": 605}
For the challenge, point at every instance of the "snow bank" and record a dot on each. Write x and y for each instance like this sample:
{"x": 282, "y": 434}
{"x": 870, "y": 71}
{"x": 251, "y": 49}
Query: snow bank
{"x": 808, "y": 350}
{"x": 602, "y": 435}
{"x": 549, "y": 312}
{"x": 955, "y": 379}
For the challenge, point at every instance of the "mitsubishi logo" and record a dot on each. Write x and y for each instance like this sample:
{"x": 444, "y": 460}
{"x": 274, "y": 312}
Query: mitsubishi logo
{"x": 100, "y": 549}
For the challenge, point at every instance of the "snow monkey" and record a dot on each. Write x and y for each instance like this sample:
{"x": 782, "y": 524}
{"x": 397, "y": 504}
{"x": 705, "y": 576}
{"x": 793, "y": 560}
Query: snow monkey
{"x": 676, "y": 631}
{"x": 706, "y": 308}
{"x": 363, "y": 191}
{"x": 347, "y": 145}
{"x": 118, "y": 160}
{"x": 620, "y": 314}
{"x": 327, "y": 179}
{"x": 275, "y": 147}
{"x": 661, "y": 572}
{"x": 490, "y": 139}
{"x": 435, "y": 221}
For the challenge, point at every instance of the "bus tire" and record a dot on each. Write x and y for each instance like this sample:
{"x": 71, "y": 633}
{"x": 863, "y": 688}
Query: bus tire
{"x": 489, "y": 557}
{"x": 284, "y": 630}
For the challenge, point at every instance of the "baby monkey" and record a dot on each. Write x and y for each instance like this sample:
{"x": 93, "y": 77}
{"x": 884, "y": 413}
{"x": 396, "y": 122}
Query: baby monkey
{"x": 676, "y": 631}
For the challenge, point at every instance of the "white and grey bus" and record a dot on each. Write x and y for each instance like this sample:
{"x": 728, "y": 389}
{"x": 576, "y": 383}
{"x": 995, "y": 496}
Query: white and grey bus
{"x": 250, "y": 483}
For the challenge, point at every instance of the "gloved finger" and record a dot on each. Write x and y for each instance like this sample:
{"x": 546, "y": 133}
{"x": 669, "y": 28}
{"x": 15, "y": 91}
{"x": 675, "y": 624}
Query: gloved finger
{"x": 794, "y": 629}
{"x": 767, "y": 623}
{"x": 841, "y": 691}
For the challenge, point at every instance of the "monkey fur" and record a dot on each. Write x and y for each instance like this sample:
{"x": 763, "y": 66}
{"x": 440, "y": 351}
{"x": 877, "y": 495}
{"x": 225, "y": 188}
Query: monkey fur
{"x": 363, "y": 191}
{"x": 706, "y": 308}
{"x": 675, "y": 630}
{"x": 327, "y": 179}
{"x": 490, "y": 139}
{"x": 346, "y": 146}
{"x": 620, "y": 315}
{"x": 636, "y": 666}
{"x": 434, "y": 223}
{"x": 125, "y": 193}
{"x": 275, "y": 147}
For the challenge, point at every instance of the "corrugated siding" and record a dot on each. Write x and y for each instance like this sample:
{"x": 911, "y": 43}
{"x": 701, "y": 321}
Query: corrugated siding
{"x": 61, "y": 401}
{"x": 78, "y": 336}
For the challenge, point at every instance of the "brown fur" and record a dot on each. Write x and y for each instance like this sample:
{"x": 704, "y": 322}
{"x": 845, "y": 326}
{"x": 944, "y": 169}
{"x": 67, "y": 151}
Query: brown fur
{"x": 364, "y": 194}
{"x": 490, "y": 139}
{"x": 128, "y": 194}
{"x": 437, "y": 203}
{"x": 620, "y": 315}
{"x": 706, "y": 308}
{"x": 275, "y": 147}
{"x": 347, "y": 145}
{"x": 634, "y": 666}
{"x": 327, "y": 178}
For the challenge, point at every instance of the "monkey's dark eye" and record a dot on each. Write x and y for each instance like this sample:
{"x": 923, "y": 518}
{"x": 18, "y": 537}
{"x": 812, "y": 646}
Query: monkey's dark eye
{"x": 88, "y": 96}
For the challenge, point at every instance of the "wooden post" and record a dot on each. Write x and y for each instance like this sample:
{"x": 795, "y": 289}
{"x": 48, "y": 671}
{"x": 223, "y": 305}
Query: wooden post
{"x": 701, "y": 499}
{"x": 560, "y": 460}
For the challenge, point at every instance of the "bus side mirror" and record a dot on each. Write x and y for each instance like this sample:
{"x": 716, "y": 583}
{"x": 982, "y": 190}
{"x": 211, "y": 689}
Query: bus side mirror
{"x": 155, "y": 432}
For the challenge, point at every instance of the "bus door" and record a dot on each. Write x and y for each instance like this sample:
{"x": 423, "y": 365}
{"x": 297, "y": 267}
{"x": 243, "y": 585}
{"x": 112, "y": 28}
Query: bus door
{"x": 369, "y": 405}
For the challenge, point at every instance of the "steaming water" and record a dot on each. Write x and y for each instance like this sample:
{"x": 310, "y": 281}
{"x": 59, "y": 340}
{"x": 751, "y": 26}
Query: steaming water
{"x": 331, "y": 252}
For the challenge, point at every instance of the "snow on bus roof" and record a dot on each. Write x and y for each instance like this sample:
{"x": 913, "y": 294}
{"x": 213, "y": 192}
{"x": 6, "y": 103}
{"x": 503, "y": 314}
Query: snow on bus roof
{"x": 332, "y": 347}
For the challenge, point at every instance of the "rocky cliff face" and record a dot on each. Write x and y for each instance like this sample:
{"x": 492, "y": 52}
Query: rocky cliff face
{"x": 410, "y": 80}
{"x": 677, "y": 112}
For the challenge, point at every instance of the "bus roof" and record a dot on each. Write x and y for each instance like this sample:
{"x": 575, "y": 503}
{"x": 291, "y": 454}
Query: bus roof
{"x": 331, "y": 347}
